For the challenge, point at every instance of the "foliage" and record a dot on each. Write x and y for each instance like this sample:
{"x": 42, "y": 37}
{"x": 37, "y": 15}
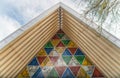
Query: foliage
{"x": 102, "y": 10}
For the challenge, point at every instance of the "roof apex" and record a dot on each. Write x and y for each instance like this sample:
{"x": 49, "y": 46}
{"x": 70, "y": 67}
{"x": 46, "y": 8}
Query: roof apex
{"x": 18, "y": 32}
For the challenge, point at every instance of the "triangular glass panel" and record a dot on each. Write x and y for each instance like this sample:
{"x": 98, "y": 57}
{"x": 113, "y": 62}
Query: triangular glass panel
{"x": 65, "y": 42}
{"x": 60, "y": 62}
{"x": 46, "y": 70}
{"x": 82, "y": 74}
{"x": 38, "y": 74}
{"x": 60, "y": 44}
{"x": 53, "y": 74}
{"x": 97, "y": 73}
{"x": 60, "y": 35}
{"x": 74, "y": 69}
{"x": 55, "y": 42}
{"x": 86, "y": 62}
{"x": 48, "y": 50}
{"x": 67, "y": 59}
{"x": 80, "y": 58}
{"x": 55, "y": 37}
{"x": 49, "y": 63}
{"x": 68, "y": 74}
{"x": 53, "y": 59}
{"x": 24, "y": 74}
{"x": 73, "y": 62}
{"x": 44, "y": 62}
{"x": 88, "y": 69}
{"x": 53, "y": 53}
{"x": 48, "y": 45}
{"x": 42, "y": 52}
{"x": 72, "y": 45}
{"x": 72, "y": 50}
{"x": 65, "y": 37}
{"x": 79, "y": 52}
{"x": 60, "y": 50}
{"x": 32, "y": 69}
{"x": 60, "y": 70}
{"x": 66, "y": 53}
{"x": 34, "y": 62}
{"x": 41, "y": 59}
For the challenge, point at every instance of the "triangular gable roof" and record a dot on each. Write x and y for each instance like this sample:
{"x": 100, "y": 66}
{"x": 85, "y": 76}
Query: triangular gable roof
{"x": 37, "y": 32}
{"x": 104, "y": 33}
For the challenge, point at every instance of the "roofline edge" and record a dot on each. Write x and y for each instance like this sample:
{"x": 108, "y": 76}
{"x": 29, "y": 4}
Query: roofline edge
{"x": 18, "y": 32}
{"x": 113, "y": 39}
{"x": 21, "y": 30}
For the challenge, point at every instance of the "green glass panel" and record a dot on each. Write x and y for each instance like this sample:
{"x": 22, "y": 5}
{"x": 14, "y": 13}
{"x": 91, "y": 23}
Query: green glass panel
{"x": 53, "y": 74}
{"x": 60, "y": 35}
{"x": 80, "y": 58}
{"x": 67, "y": 59}
{"x": 49, "y": 45}
{"x": 65, "y": 42}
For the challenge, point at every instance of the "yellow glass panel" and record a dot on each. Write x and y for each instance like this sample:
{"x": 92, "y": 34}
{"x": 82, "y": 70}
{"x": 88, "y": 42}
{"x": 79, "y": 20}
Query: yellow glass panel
{"x": 55, "y": 42}
{"x": 42, "y": 52}
{"x": 60, "y": 50}
{"x": 72, "y": 44}
{"x": 24, "y": 73}
{"x": 86, "y": 62}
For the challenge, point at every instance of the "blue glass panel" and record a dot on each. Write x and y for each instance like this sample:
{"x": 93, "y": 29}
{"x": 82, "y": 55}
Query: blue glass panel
{"x": 79, "y": 52}
{"x": 48, "y": 50}
{"x": 34, "y": 62}
{"x": 66, "y": 52}
{"x": 68, "y": 74}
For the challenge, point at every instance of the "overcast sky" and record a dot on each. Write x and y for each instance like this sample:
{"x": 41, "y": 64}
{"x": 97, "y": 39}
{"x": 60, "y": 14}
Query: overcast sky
{"x": 16, "y": 13}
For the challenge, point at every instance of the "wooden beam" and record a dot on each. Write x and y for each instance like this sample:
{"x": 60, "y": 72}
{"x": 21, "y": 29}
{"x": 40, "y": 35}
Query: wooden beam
{"x": 103, "y": 53}
{"x": 16, "y": 55}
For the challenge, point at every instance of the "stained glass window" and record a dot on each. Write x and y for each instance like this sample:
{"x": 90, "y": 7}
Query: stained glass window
{"x": 60, "y": 58}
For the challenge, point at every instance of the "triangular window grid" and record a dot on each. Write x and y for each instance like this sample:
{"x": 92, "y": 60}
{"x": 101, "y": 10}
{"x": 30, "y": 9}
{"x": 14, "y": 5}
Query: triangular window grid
{"x": 62, "y": 58}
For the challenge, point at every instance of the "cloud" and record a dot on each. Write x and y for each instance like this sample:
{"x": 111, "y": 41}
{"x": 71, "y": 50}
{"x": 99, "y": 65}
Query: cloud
{"x": 7, "y": 26}
{"x": 16, "y": 13}
{"x": 25, "y": 10}
{"x": 31, "y": 8}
